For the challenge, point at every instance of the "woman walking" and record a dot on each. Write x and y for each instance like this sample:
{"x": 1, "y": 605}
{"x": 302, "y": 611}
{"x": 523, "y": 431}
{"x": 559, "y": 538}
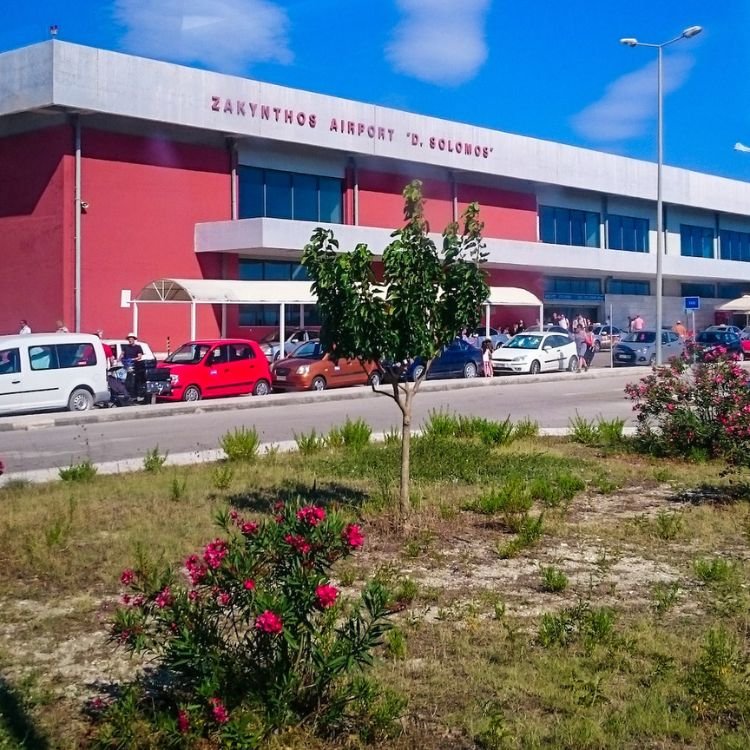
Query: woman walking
{"x": 487, "y": 357}
{"x": 581, "y": 346}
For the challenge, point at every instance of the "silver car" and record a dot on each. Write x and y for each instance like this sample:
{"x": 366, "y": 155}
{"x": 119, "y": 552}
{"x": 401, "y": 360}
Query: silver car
{"x": 271, "y": 347}
{"x": 639, "y": 348}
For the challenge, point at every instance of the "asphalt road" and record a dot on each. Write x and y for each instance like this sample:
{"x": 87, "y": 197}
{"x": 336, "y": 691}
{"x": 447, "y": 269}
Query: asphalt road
{"x": 551, "y": 404}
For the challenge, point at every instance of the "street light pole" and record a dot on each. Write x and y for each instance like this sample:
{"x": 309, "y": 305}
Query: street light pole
{"x": 691, "y": 31}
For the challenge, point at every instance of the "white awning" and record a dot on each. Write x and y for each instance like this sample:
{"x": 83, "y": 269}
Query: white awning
{"x": 227, "y": 292}
{"x": 511, "y": 295}
{"x": 741, "y": 304}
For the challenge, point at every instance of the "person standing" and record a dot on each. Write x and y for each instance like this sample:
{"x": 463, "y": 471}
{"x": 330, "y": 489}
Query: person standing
{"x": 108, "y": 353}
{"x": 25, "y": 327}
{"x": 487, "y": 358}
{"x": 580, "y": 340}
{"x": 638, "y": 323}
{"x": 679, "y": 329}
{"x": 563, "y": 322}
{"x": 61, "y": 327}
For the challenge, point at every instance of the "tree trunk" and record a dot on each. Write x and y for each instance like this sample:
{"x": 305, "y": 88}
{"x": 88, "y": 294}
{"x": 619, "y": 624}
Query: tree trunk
{"x": 404, "y": 500}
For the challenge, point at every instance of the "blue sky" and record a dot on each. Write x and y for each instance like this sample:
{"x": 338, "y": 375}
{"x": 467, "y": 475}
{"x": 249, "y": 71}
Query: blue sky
{"x": 551, "y": 70}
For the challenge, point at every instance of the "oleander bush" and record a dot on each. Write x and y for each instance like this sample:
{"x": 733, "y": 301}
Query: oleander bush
{"x": 251, "y": 637}
{"x": 694, "y": 411}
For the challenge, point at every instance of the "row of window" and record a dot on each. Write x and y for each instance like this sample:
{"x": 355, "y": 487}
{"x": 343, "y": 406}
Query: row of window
{"x": 568, "y": 226}
{"x": 289, "y": 195}
{"x": 557, "y": 287}
{"x": 716, "y": 291}
{"x": 251, "y": 269}
{"x": 49, "y": 357}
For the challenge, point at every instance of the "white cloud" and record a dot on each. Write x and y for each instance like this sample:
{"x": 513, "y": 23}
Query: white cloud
{"x": 439, "y": 41}
{"x": 628, "y": 106}
{"x": 225, "y": 35}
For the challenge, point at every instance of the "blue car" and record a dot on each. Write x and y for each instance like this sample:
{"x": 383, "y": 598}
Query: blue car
{"x": 458, "y": 359}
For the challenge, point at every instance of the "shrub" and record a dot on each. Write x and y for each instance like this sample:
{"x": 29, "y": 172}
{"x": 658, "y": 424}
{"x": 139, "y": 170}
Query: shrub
{"x": 694, "y": 411}
{"x": 715, "y": 570}
{"x": 81, "y": 472}
{"x": 583, "y": 430}
{"x": 553, "y": 580}
{"x": 257, "y": 640}
{"x": 525, "y": 428}
{"x": 308, "y": 443}
{"x": 241, "y": 444}
{"x": 584, "y": 623}
{"x": 153, "y": 461}
{"x": 512, "y": 499}
{"x": 355, "y": 434}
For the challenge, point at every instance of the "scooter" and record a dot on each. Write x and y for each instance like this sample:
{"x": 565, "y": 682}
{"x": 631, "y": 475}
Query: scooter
{"x": 130, "y": 384}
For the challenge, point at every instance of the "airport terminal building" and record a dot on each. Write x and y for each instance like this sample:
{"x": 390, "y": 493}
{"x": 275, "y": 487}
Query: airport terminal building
{"x": 116, "y": 171}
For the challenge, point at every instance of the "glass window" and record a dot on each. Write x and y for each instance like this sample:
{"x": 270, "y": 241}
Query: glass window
{"x": 566, "y": 226}
{"x": 627, "y": 233}
{"x": 43, "y": 358}
{"x": 188, "y": 354}
{"x": 734, "y": 245}
{"x": 628, "y": 286}
{"x": 696, "y": 242}
{"x": 732, "y": 291}
{"x": 10, "y": 361}
{"x": 76, "y": 355}
{"x": 306, "y": 197}
{"x": 278, "y": 194}
{"x": 250, "y": 192}
{"x": 331, "y": 199}
{"x": 698, "y": 290}
{"x": 268, "y": 315}
{"x": 572, "y": 286}
{"x": 238, "y": 352}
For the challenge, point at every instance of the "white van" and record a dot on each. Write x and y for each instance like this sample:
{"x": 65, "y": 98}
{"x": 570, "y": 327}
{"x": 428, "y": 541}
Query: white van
{"x": 51, "y": 371}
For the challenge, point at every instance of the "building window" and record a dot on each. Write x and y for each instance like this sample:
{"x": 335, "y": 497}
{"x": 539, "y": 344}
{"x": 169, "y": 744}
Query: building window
{"x": 252, "y": 269}
{"x": 696, "y": 242}
{"x": 732, "y": 291}
{"x": 568, "y": 226}
{"x": 698, "y": 290}
{"x": 628, "y": 286}
{"x": 564, "y": 287}
{"x": 734, "y": 245}
{"x": 289, "y": 195}
{"x": 627, "y": 233}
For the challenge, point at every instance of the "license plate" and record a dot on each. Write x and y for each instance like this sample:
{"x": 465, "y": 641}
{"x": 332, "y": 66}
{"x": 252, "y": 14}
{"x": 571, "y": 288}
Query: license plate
{"x": 281, "y": 378}
{"x": 622, "y": 356}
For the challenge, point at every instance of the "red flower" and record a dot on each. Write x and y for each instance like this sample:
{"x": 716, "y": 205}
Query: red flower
{"x": 127, "y": 577}
{"x": 214, "y": 553}
{"x": 249, "y": 528}
{"x": 224, "y": 598}
{"x": 298, "y": 542}
{"x": 326, "y": 595}
{"x": 183, "y": 722}
{"x": 164, "y": 598}
{"x": 269, "y": 622}
{"x": 352, "y": 535}
{"x": 249, "y": 584}
{"x": 218, "y": 711}
{"x": 195, "y": 569}
{"x": 311, "y": 514}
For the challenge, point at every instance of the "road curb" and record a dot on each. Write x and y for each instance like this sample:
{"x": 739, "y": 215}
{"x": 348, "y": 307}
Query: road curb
{"x": 155, "y": 411}
{"x": 129, "y": 465}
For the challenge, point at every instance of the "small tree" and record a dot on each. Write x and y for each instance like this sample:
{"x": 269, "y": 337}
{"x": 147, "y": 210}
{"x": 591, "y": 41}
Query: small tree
{"x": 423, "y": 302}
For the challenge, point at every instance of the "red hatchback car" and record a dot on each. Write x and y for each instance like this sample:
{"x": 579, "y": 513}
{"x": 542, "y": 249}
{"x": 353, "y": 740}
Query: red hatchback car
{"x": 217, "y": 367}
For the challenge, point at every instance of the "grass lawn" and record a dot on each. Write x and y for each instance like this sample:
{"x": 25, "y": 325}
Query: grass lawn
{"x": 546, "y": 594}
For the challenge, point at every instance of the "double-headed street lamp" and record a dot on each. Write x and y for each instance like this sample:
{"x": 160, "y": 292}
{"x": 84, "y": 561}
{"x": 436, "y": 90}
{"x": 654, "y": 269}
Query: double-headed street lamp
{"x": 689, "y": 32}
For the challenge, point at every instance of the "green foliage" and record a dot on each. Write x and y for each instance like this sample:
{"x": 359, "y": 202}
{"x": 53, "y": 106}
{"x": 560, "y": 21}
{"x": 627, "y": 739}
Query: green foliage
{"x": 395, "y": 644}
{"x": 241, "y": 444}
{"x": 668, "y": 525}
{"x": 442, "y": 425}
{"x": 553, "y": 579}
{"x": 583, "y": 430}
{"x": 714, "y": 570}
{"x": 177, "y": 488}
{"x": 525, "y": 428}
{"x": 153, "y": 461}
{"x": 512, "y": 500}
{"x": 84, "y": 471}
{"x": 665, "y": 595}
{"x": 57, "y": 533}
{"x": 355, "y": 433}
{"x": 257, "y": 641}
{"x": 582, "y": 623}
{"x": 222, "y": 476}
{"x": 606, "y": 433}
{"x": 529, "y": 533}
{"x": 310, "y": 442}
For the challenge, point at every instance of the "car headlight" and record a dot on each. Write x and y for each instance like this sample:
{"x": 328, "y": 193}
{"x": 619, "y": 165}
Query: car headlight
{"x": 174, "y": 379}
{"x": 303, "y": 369}
{"x": 522, "y": 358}
{"x": 642, "y": 350}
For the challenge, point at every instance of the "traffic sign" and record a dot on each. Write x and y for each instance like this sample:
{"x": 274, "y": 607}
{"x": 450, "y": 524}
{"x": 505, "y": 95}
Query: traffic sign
{"x": 692, "y": 303}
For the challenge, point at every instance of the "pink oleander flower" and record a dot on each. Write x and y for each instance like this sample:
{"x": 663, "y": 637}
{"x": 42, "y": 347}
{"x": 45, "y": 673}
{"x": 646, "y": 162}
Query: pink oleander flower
{"x": 183, "y": 722}
{"x": 326, "y": 595}
{"x": 195, "y": 569}
{"x": 269, "y": 622}
{"x": 352, "y": 535}
{"x": 311, "y": 514}
{"x": 127, "y": 577}
{"x": 214, "y": 553}
{"x": 218, "y": 711}
{"x": 224, "y": 598}
{"x": 299, "y": 543}
{"x": 249, "y": 585}
{"x": 248, "y": 528}
{"x": 193, "y": 596}
{"x": 164, "y": 598}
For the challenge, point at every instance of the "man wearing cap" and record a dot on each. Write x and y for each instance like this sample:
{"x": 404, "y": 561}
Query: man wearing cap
{"x": 131, "y": 355}
{"x": 679, "y": 329}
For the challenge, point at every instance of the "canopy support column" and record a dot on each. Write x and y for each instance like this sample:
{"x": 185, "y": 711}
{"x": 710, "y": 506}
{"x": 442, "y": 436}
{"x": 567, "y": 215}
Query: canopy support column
{"x": 541, "y": 317}
{"x": 282, "y": 329}
{"x": 135, "y": 318}
{"x": 487, "y": 320}
{"x": 301, "y": 316}
{"x": 223, "y": 321}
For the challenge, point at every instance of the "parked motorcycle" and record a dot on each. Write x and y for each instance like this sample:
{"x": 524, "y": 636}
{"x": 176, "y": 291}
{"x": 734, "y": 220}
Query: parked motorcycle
{"x": 130, "y": 384}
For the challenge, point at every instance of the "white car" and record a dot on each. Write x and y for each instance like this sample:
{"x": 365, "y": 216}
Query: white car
{"x": 116, "y": 344}
{"x": 535, "y": 352}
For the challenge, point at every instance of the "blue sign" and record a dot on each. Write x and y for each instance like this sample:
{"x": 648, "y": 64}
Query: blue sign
{"x": 692, "y": 303}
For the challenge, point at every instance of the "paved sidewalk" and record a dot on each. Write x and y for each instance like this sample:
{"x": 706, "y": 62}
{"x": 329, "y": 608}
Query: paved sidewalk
{"x": 40, "y": 476}
{"x": 153, "y": 411}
